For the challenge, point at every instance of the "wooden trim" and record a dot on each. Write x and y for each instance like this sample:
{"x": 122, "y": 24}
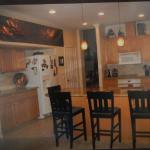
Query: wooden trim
{"x": 4, "y": 44}
{"x": 12, "y": 2}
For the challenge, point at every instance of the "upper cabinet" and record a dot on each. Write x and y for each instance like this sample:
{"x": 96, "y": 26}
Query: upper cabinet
{"x": 12, "y": 60}
{"x": 14, "y": 30}
{"x": 133, "y": 43}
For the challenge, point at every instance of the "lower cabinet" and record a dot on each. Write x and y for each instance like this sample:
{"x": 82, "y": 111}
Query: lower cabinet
{"x": 18, "y": 109}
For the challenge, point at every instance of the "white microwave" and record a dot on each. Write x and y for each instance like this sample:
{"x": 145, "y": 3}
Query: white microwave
{"x": 130, "y": 58}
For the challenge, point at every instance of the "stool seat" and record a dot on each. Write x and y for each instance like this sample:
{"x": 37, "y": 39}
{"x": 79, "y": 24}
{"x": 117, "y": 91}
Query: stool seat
{"x": 77, "y": 110}
{"x": 106, "y": 113}
{"x": 140, "y": 113}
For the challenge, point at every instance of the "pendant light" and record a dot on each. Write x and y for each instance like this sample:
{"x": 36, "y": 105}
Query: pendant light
{"x": 120, "y": 39}
{"x": 84, "y": 45}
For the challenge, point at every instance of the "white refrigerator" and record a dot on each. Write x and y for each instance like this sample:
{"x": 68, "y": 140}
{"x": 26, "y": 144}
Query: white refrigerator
{"x": 41, "y": 72}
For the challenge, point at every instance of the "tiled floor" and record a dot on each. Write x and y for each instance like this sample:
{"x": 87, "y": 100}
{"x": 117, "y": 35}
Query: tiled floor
{"x": 38, "y": 135}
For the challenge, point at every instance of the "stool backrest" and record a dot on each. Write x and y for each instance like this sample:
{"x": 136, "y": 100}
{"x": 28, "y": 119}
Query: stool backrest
{"x": 100, "y": 101}
{"x": 53, "y": 89}
{"x": 61, "y": 103}
{"x": 139, "y": 101}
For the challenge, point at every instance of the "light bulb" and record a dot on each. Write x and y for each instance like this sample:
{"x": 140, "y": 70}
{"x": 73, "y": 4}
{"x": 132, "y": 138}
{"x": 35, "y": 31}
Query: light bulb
{"x": 84, "y": 45}
{"x": 120, "y": 41}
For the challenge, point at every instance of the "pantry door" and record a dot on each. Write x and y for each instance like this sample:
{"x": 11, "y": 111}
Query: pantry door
{"x": 71, "y": 68}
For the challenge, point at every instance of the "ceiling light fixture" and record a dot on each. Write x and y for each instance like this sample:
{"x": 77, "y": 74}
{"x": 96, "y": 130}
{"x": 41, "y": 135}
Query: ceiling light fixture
{"x": 141, "y": 15}
{"x": 101, "y": 13}
{"x": 120, "y": 39}
{"x": 52, "y": 11}
{"x": 84, "y": 45}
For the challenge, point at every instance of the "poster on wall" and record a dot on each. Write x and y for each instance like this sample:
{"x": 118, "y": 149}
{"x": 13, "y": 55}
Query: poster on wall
{"x": 14, "y": 30}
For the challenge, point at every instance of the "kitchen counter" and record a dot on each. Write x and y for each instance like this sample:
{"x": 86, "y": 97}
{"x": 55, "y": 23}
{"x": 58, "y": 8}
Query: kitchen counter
{"x": 18, "y": 106}
{"x": 127, "y": 77}
{"x": 15, "y": 90}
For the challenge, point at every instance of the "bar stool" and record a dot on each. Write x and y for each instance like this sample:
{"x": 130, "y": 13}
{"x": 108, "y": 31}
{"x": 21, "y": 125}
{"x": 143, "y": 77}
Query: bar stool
{"x": 139, "y": 103}
{"x": 62, "y": 110}
{"x": 100, "y": 109}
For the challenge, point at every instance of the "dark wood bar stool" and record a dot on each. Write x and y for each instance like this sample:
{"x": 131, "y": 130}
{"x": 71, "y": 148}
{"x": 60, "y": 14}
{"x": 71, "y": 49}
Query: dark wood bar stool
{"x": 52, "y": 89}
{"x": 100, "y": 108}
{"x": 139, "y": 103}
{"x": 62, "y": 110}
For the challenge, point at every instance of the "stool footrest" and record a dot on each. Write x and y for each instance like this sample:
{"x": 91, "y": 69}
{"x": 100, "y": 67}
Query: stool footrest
{"x": 78, "y": 136}
{"x": 78, "y": 124}
{"x": 116, "y": 125}
{"x": 117, "y": 136}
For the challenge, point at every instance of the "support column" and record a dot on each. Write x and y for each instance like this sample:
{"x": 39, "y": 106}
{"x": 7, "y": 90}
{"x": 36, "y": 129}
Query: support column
{"x": 99, "y": 55}
{"x": 81, "y": 65}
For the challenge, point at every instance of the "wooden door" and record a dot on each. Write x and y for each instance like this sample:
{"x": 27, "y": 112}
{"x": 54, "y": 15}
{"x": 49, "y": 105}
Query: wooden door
{"x": 71, "y": 68}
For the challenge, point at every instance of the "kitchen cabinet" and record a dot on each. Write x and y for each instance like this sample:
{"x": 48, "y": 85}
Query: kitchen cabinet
{"x": 12, "y": 60}
{"x": 18, "y": 108}
{"x": 146, "y": 82}
{"x": 145, "y": 48}
{"x": 111, "y": 51}
{"x": 110, "y": 83}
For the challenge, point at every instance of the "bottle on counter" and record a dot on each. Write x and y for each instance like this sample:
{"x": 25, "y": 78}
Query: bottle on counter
{"x": 115, "y": 72}
{"x": 107, "y": 72}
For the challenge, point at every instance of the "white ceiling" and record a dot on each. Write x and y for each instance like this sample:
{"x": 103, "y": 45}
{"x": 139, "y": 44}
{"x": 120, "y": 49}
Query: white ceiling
{"x": 69, "y": 15}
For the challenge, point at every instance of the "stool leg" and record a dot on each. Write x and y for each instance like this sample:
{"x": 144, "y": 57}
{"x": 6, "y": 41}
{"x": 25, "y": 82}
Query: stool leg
{"x": 93, "y": 134}
{"x": 56, "y": 132}
{"x": 67, "y": 128}
{"x": 119, "y": 119}
{"x": 133, "y": 132}
{"x": 112, "y": 125}
{"x": 84, "y": 125}
{"x": 97, "y": 122}
{"x": 71, "y": 132}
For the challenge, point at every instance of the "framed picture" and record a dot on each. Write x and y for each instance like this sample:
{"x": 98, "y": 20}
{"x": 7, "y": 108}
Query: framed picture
{"x": 61, "y": 60}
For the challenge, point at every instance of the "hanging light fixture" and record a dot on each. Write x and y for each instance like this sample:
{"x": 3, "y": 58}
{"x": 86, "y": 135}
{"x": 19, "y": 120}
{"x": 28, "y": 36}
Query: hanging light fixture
{"x": 84, "y": 45}
{"x": 120, "y": 39}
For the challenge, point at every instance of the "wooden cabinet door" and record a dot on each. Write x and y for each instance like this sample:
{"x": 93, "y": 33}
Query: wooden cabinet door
{"x": 112, "y": 51}
{"x": 7, "y": 116}
{"x": 146, "y": 48}
{"x": 1, "y": 60}
{"x": 26, "y": 107}
{"x": 18, "y": 60}
{"x": 7, "y": 61}
{"x": 12, "y": 60}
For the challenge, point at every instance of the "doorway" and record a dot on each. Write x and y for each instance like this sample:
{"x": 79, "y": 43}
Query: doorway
{"x": 90, "y": 59}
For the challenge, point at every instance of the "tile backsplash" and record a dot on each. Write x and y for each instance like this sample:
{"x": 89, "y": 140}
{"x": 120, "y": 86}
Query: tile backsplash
{"x": 129, "y": 69}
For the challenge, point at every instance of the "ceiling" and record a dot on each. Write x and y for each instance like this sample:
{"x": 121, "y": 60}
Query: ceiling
{"x": 69, "y": 15}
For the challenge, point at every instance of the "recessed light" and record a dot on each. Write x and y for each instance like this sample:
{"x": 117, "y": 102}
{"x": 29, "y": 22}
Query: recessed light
{"x": 141, "y": 15}
{"x": 52, "y": 11}
{"x": 101, "y": 13}
{"x": 84, "y": 23}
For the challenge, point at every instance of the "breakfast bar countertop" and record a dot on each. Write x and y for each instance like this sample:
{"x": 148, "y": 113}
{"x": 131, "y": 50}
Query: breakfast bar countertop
{"x": 15, "y": 90}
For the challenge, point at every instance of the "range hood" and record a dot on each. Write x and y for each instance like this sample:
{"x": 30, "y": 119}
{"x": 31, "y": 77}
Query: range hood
{"x": 130, "y": 58}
